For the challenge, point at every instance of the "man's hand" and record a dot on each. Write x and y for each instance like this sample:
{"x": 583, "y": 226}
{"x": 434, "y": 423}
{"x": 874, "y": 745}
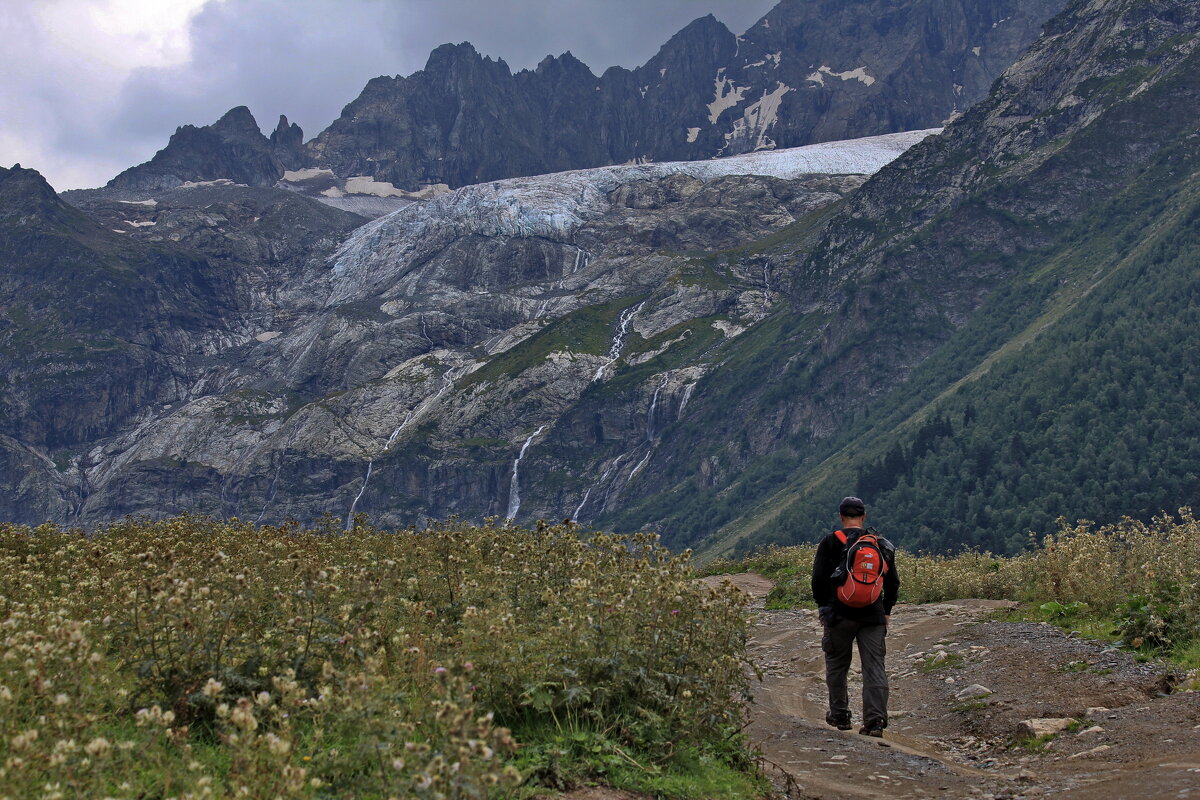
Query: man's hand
{"x": 826, "y": 615}
{"x": 887, "y": 620}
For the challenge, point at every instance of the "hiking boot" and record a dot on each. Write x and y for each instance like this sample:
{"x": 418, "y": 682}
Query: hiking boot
{"x": 841, "y": 723}
{"x": 870, "y": 730}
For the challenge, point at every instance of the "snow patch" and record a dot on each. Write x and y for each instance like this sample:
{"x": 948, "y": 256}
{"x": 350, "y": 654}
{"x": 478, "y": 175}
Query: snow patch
{"x": 693, "y": 134}
{"x": 151, "y": 203}
{"x": 976, "y": 50}
{"x": 662, "y": 73}
{"x": 365, "y": 184}
{"x": 268, "y": 336}
{"x": 757, "y": 119}
{"x": 295, "y": 175}
{"x": 428, "y": 190}
{"x": 858, "y": 74}
{"x": 774, "y": 58}
{"x": 136, "y": 224}
{"x": 724, "y": 99}
{"x": 333, "y": 191}
{"x": 200, "y": 184}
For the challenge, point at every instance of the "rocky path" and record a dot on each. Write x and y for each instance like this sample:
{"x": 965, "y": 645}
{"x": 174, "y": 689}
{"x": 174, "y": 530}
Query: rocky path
{"x": 962, "y": 684}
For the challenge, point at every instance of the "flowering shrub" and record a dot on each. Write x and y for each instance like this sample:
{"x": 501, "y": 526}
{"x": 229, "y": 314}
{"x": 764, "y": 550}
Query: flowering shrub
{"x": 195, "y": 658}
{"x": 932, "y": 578}
{"x": 1146, "y": 574}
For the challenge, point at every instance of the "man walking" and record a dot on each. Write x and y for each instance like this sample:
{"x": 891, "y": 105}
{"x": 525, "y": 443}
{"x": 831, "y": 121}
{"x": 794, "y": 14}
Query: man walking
{"x": 852, "y": 609}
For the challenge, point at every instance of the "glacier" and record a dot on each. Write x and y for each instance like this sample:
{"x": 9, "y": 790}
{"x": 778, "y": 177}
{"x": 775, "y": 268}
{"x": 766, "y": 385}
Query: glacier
{"x": 555, "y": 205}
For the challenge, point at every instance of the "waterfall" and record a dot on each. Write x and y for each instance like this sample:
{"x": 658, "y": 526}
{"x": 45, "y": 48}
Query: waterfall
{"x": 619, "y": 339}
{"x": 582, "y": 503}
{"x": 641, "y": 464}
{"x": 270, "y": 495}
{"x": 687, "y": 395}
{"x": 371, "y": 464}
{"x": 354, "y": 505}
{"x": 392, "y": 439}
{"x": 514, "y": 493}
{"x": 581, "y": 259}
{"x": 623, "y": 330}
{"x": 650, "y": 414}
{"x": 448, "y": 379}
{"x": 600, "y": 482}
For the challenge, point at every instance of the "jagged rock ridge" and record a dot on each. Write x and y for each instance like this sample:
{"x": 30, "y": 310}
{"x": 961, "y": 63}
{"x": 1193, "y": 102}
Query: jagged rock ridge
{"x": 807, "y": 72}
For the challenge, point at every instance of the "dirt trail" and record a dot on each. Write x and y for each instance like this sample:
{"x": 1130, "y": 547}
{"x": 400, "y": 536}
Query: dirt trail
{"x": 1131, "y": 739}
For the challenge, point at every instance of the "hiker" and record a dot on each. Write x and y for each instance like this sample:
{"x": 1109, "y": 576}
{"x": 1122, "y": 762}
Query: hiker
{"x": 855, "y": 607}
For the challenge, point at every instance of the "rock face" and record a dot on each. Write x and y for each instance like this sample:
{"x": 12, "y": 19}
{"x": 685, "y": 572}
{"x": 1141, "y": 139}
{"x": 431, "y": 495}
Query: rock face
{"x": 558, "y": 321}
{"x": 111, "y": 315}
{"x": 807, "y": 72}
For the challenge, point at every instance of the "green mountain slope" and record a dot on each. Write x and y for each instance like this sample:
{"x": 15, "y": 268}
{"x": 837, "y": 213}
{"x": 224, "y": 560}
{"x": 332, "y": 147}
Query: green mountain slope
{"x": 978, "y": 341}
{"x": 1091, "y": 411}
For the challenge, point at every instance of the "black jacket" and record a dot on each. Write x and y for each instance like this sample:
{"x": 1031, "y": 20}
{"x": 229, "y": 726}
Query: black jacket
{"x": 830, "y": 554}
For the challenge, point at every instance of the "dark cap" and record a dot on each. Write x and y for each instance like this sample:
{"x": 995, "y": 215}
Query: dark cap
{"x": 852, "y": 507}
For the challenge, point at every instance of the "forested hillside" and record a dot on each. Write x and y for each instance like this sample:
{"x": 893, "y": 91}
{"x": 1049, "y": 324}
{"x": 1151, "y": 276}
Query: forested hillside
{"x": 1091, "y": 410}
{"x": 1012, "y": 334}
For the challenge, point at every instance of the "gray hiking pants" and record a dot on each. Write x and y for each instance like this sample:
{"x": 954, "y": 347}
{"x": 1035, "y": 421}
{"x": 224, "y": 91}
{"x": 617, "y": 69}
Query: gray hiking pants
{"x": 837, "y": 642}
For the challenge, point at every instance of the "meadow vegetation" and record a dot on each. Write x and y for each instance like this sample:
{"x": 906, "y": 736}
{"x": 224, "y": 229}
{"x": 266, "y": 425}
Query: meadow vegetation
{"x": 194, "y": 658}
{"x": 1133, "y": 581}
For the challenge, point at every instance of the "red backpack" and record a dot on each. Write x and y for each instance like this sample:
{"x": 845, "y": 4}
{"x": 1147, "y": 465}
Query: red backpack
{"x": 863, "y": 568}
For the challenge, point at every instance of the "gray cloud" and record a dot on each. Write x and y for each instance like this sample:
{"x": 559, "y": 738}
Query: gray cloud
{"x": 306, "y": 59}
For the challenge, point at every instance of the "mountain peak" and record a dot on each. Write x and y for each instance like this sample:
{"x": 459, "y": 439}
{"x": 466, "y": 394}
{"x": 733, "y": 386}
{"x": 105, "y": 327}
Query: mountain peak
{"x": 19, "y": 186}
{"x": 30, "y": 202}
{"x": 707, "y": 25}
{"x": 444, "y": 56}
{"x": 566, "y": 64}
{"x": 287, "y": 135}
{"x": 704, "y": 40}
{"x": 237, "y": 121}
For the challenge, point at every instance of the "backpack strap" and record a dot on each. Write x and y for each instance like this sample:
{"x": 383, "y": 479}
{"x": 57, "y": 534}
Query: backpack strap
{"x": 841, "y": 536}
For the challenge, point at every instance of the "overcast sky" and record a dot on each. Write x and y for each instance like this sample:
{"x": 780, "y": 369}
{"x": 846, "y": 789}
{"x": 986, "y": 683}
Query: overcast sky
{"x": 91, "y": 87}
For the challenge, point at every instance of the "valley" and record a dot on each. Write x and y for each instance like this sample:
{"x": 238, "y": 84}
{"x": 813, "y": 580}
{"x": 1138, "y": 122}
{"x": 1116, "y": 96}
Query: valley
{"x": 983, "y": 325}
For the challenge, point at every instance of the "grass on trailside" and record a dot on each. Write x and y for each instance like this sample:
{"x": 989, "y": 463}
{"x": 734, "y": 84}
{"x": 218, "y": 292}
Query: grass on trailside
{"x": 1132, "y": 582}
